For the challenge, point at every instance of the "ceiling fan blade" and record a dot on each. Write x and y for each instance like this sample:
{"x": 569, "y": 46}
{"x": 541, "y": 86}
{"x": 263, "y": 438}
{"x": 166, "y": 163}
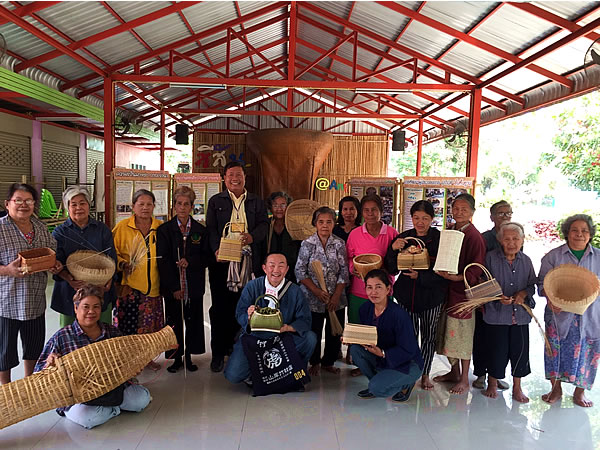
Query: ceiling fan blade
{"x": 595, "y": 56}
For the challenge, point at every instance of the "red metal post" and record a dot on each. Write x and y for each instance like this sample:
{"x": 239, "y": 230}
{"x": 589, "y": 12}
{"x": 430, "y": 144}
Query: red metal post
{"x": 109, "y": 146}
{"x": 474, "y": 124}
{"x": 162, "y": 139}
{"x": 419, "y": 148}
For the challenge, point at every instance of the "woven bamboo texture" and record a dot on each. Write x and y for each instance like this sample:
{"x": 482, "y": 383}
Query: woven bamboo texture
{"x": 82, "y": 375}
{"x": 230, "y": 248}
{"x": 367, "y": 262}
{"x": 351, "y": 157}
{"x": 336, "y": 326}
{"x": 571, "y": 288}
{"x": 37, "y": 259}
{"x": 298, "y": 219}
{"x": 489, "y": 288}
{"x": 359, "y": 334}
{"x": 91, "y": 267}
{"x": 416, "y": 261}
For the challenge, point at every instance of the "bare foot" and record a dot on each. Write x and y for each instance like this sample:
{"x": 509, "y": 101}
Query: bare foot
{"x": 450, "y": 376}
{"x": 518, "y": 396}
{"x": 355, "y": 373}
{"x": 459, "y": 388}
{"x": 554, "y": 395}
{"x": 331, "y": 369}
{"x": 491, "y": 392}
{"x": 314, "y": 370}
{"x": 580, "y": 399}
{"x": 426, "y": 383}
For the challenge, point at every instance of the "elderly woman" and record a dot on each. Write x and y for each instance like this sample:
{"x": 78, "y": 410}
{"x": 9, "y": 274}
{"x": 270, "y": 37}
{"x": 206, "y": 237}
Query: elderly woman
{"x": 458, "y": 337}
{"x": 348, "y": 217}
{"x": 574, "y": 338}
{"x": 330, "y": 251}
{"x": 79, "y": 232}
{"x": 421, "y": 293}
{"x": 22, "y": 294}
{"x": 278, "y": 239}
{"x": 183, "y": 255}
{"x": 507, "y": 330}
{"x": 373, "y": 236}
{"x": 139, "y": 307}
{"x": 395, "y": 363}
{"x": 87, "y": 329}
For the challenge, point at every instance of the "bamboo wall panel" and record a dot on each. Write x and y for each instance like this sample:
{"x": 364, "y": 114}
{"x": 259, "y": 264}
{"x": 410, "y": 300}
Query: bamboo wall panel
{"x": 352, "y": 157}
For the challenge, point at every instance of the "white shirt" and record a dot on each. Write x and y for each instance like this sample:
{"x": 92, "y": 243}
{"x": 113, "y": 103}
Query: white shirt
{"x": 273, "y": 290}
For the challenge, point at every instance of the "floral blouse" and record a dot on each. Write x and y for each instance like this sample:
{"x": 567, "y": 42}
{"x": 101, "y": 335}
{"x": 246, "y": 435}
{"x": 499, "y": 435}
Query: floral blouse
{"x": 335, "y": 268}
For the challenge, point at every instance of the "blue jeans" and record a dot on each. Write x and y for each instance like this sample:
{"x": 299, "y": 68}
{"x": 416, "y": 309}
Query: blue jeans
{"x": 383, "y": 382}
{"x": 135, "y": 398}
{"x": 238, "y": 369}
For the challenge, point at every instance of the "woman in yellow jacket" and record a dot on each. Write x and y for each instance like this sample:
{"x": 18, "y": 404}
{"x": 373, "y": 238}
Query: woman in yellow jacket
{"x": 139, "y": 306}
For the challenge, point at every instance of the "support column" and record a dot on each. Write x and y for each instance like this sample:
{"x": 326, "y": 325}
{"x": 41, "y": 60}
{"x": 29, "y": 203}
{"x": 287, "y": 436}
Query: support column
{"x": 419, "y": 147}
{"x": 109, "y": 145}
{"x": 37, "y": 172}
{"x": 474, "y": 124}
{"x": 82, "y": 158}
{"x": 162, "y": 139}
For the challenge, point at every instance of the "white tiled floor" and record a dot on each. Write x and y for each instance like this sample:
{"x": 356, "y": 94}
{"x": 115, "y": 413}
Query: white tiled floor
{"x": 205, "y": 411}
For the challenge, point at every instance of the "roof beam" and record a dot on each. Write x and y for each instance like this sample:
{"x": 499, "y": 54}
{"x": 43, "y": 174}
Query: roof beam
{"x": 12, "y": 17}
{"x": 29, "y": 9}
{"x": 464, "y": 37}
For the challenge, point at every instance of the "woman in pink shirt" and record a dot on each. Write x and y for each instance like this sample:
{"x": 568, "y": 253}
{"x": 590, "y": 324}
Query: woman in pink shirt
{"x": 373, "y": 236}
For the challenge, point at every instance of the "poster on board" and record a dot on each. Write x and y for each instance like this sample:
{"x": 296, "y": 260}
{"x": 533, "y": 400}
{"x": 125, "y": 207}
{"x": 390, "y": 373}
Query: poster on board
{"x": 204, "y": 185}
{"x": 411, "y": 196}
{"x": 160, "y": 189}
{"x": 123, "y": 194}
{"x": 386, "y": 188}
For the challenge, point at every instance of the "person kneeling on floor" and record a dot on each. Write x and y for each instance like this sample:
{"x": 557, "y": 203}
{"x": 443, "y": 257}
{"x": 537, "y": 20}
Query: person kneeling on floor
{"x": 294, "y": 310}
{"x": 85, "y": 330}
{"x": 395, "y": 363}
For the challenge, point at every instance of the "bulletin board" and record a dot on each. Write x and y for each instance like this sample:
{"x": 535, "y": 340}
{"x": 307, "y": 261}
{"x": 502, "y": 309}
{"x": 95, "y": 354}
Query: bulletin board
{"x": 124, "y": 182}
{"x": 439, "y": 191}
{"x": 386, "y": 188}
{"x": 205, "y": 185}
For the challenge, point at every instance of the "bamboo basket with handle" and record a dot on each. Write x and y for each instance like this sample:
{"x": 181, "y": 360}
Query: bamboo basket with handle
{"x": 487, "y": 289}
{"x": 416, "y": 261}
{"x": 230, "y": 248}
{"x": 336, "y": 326}
{"x": 82, "y": 375}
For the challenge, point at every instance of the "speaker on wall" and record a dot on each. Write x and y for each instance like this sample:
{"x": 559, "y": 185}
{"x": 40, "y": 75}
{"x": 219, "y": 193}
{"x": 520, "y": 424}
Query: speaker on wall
{"x": 398, "y": 140}
{"x": 181, "y": 134}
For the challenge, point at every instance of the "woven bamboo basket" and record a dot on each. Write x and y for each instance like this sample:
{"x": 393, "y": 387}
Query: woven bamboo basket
{"x": 82, "y": 375}
{"x": 359, "y": 334}
{"x": 37, "y": 259}
{"x": 367, "y": 262}
{"x": 91, "y": 267}
{"x": 489, "y": 288}
{"x": 298, "y": 219}
{"x": 571, "y": 288}
{"x": 230, "y": 248}
{"x": 419, "y": 260}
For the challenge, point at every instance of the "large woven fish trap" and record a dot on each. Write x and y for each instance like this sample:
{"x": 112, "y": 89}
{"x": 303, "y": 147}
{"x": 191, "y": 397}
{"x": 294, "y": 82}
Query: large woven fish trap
{"x": 82, "y": 375}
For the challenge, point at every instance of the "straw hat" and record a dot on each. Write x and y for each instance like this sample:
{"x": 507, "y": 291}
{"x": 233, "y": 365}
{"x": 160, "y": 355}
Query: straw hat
{"x": 571, "y": 288}
{"x": 367, "y": 262}
{"x": 91, "y": 267}
{"x": 298, "y": 218}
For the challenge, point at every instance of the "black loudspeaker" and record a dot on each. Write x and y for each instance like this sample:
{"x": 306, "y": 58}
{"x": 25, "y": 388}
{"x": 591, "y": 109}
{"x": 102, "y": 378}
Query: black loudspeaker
{"x": 398, "y": 140}
{"x": 181, "y": 134}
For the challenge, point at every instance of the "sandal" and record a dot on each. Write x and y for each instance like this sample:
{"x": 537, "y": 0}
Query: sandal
{"x": 404, "y": 394}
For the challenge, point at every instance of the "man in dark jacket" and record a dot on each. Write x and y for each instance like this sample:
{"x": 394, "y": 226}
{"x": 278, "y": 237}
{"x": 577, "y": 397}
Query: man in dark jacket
{"x": 247, "y": 212}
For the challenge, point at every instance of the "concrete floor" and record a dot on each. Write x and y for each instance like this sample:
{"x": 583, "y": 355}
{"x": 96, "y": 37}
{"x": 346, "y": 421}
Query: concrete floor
{"x": 205, "y": 411}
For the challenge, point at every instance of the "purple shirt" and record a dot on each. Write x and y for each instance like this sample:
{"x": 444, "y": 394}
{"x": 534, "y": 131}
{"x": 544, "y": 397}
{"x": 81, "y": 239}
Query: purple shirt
{"x": 512, "y": 278}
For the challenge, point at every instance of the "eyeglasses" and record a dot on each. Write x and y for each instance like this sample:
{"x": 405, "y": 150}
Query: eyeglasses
{"x": 283, "y": 206}
{"x": 504, "y": 214}
{"x": 28, "y": 202}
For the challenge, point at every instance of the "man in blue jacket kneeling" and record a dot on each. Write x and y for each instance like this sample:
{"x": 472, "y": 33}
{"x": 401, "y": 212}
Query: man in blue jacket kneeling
{"x": 292, "y": 305}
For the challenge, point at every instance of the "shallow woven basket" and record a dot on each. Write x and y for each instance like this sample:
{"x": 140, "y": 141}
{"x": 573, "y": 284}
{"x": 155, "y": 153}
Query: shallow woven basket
{"x": 571, "y": 288}
{"x": 359, "y": 334}
{"x": 37, "y": 259}
{"x": 82, "y": 375}
{"x": 91, "y": 267}
{"x": 298, "y": 219}
{"x": 367, "y": 262}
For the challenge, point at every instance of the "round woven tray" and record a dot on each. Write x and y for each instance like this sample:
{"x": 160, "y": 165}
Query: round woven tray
{"x": 91, "y": 267}
{"x": 298, "y": 218}
{"x": 367, "y": 262}
{"x": 571, "y": 288}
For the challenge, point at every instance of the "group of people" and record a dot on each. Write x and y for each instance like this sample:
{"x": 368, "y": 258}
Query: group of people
{"x": 160, "y": 278}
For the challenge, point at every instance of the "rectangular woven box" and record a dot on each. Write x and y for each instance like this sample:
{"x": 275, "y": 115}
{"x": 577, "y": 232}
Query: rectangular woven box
{"x": 359, "y": 334}
{"x": 37, "y": 259}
